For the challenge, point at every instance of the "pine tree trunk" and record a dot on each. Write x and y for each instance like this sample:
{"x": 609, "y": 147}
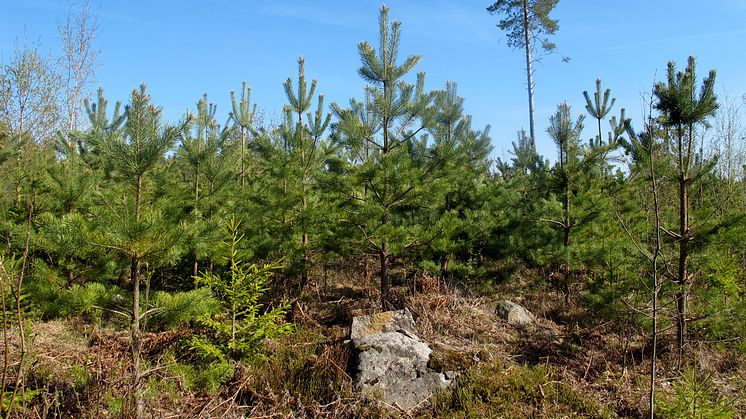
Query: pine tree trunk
{"x": 135, "y": 329}
{"x": 566, "y": 242}
{"x": 385, "y": 281}
{"x": 196, "y": 201}
{"x": 529, "y": 73}
{"x": 656, "y": 288}
{"x": 444, "y": 266}
{"x": 384, "y": 251}
{"x": 135, "y": 338}
{"x": 682, "y": 277}
{"x": 304, "y": 235}
{"x": 243, "y": 153}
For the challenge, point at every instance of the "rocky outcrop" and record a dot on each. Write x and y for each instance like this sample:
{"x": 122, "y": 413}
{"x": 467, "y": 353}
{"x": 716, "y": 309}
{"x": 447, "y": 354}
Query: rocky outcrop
{"x": 513, "y": 313}
{"x": 392, "y": 360}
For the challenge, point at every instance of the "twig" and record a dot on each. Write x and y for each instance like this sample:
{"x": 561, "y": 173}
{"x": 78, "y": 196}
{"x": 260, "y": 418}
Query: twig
{"x": 590, "y": 360}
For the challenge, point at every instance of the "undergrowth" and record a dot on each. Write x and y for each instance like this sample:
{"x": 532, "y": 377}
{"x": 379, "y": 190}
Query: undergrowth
{"x": 492, "y": 390}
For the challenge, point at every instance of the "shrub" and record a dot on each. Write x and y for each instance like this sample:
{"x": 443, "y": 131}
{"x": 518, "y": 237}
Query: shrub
{"x": 694, "y": 397}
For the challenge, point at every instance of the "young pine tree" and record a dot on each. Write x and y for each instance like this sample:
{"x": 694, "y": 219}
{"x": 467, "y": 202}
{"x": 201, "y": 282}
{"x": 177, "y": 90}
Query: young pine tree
{"x": 132, "y": 228}
{"x": 460, "y": 218}
{"x": 578, "y": 180}
{"x": 243, "y": 117}
{"x": 600, "y": 107}
{"x": 291, "y": 157}
{"x": 683, "y": 109}
{"x": 383, "y": 175}
{"x": 306, "y": 149}
{"x": 566, "y": 135}
{"x": 203, "y": 148}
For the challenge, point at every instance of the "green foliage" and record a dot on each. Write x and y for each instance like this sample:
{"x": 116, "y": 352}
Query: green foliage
{"x": 20, "y": 399}
{"x": 114, "y": 404}
{"x": 168, "y": 311}
{"x": 599, "y": 108}
{"x": 238, "y": 330}
{"x": 488, "y": 390}
{"x": 143, "y": 140}
{"x": 539, "y": 22}
{"x": 243, "y": 116}
{"x": 150, "y": 238}
{"x": 93, "y": 297}
{"x": 51, "y": 298}
{"x": 678, "y": 99}
{"x": 694, "y": 397}
{"x": 389, "y": 169}
{"x": 398, "y": 174}
{"x": 67, "y": 239}
{"x": 291, "y": 158}
{"x": 202, "y": 376}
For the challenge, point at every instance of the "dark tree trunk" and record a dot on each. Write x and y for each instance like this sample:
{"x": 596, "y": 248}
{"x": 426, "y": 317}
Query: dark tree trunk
{"x": 385, "y": 281}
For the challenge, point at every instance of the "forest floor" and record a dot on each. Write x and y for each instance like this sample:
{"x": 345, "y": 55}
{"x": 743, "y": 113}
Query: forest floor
{"x": 575, "y": 364}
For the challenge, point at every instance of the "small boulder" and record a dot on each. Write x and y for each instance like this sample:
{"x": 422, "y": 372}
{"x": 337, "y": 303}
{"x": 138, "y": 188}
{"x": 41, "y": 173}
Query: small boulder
{"x": 389, "y": 321}
{"x": 392, "y": 360}
{"x": 513, "y": 313}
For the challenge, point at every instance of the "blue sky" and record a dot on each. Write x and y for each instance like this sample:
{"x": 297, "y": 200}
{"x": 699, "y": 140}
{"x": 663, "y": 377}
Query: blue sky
{"x": 182, "y": 49}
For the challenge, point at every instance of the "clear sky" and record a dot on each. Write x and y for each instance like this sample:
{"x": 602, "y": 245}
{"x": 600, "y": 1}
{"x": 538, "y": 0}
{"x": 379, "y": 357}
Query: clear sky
{"x": 182, "y": 49}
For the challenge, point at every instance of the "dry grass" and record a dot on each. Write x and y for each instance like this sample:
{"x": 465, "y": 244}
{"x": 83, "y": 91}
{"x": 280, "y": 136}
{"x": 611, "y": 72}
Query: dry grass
{"x": 84, "y": 371}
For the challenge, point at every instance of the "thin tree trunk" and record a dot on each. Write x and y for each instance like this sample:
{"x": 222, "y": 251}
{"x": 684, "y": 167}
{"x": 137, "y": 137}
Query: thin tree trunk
{"x": 444, "y": 266}
{"x": 529, "y": 73}
{"x": 243, "y": 153}
{"x": 656, "y": 287}
{"x": 19, "y": 313}
{"x": 135, "y": 338}
{"x": 196, "y": 201}
{"x": 135, "y": 329}
{"x": 384, "y": 252}
{"x": 6, "y": 339}
{"x": 566, "y": 226}
{"x": 682, "y": 277}
{"x": 304, "y": 244}
{"x": 385, "y": 282}
{"x": 16, "y": 291}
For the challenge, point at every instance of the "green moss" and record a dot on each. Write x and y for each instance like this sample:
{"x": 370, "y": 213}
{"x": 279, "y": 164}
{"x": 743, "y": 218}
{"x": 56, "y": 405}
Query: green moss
{"x": 451, "y": 360}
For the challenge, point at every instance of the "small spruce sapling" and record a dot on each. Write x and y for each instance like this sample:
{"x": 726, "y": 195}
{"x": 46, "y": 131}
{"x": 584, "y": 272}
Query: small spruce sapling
{"x": 242, "y": 324}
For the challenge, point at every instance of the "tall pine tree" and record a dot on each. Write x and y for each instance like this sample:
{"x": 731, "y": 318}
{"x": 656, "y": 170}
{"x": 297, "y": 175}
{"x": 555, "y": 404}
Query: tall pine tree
{"x": 527, "y": 24}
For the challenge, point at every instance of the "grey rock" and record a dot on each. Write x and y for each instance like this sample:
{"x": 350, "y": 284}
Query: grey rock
{"x": 392, "y": 360}
{"x": 513, "y": 313}
{"x": 389, "y": 321}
